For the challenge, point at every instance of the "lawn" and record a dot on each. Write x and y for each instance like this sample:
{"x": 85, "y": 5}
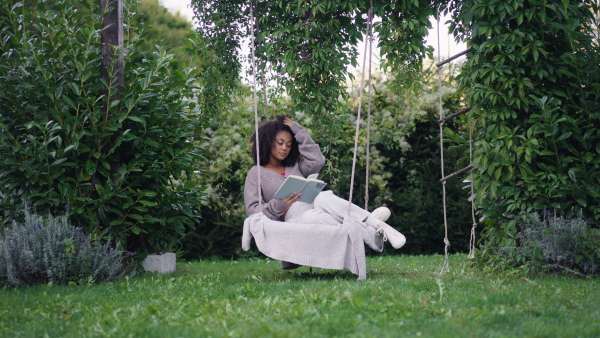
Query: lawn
{"x": 403, "y": 296}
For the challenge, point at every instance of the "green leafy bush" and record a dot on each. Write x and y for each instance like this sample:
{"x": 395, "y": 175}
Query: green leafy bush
{"x": 549, "y": 243}
{"x": 120, "y": 164}
{"x": 534, "y": 76}
{"x": 223, "y": 170}
{"x": 49, "y": 249}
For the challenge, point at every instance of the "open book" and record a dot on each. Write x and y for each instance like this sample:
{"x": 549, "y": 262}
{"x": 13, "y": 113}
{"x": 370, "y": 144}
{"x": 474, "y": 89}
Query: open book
{"x": 309, "y": 187}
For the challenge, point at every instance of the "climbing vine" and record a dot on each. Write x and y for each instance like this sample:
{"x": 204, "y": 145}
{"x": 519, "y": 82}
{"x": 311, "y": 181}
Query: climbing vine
{"x": 308, "y": 45}
{"x": 533, "y": 77}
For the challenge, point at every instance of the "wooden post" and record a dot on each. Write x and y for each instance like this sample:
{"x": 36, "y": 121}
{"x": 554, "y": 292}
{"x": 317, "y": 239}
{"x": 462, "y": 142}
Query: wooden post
{"x": 112, "y": 35}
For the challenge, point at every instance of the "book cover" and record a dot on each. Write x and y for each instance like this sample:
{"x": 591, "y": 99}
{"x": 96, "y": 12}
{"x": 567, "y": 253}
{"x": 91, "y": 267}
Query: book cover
{"x": 309, "y": 187}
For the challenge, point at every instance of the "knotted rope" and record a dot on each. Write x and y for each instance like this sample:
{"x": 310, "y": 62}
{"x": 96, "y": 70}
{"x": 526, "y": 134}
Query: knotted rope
{"x": 252, "y": 51}
{"x": 367, "y": 54}
{"x": 446, "y": 266}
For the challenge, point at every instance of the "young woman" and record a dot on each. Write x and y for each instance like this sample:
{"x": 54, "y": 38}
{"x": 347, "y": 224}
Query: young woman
{"x": 287, "y": 149}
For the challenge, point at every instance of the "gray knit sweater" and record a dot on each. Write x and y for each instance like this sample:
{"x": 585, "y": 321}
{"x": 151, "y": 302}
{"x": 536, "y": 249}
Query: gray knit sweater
{"x": 311, "y": 161}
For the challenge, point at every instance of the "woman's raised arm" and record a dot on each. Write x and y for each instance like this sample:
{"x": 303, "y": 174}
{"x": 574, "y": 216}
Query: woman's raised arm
{"x": 312, "y": 159}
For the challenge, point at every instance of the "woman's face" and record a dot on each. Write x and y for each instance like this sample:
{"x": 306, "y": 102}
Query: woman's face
{"x": 282, "y": 145}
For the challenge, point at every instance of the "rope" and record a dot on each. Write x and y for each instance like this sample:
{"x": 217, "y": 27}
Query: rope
{"x": 252, "y": 51}
{"x": 472, "y": 238}
{"x": 446, "y": 266}
{"x": 265, "y": 99}
{"x": 370, "y": 107}
{"x": 362, "y": 86}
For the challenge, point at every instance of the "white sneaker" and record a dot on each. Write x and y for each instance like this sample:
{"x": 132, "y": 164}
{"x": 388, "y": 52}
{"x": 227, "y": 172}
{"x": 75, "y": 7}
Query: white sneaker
{"x": 381, "y": 213}
{"x": 396, "y": 239}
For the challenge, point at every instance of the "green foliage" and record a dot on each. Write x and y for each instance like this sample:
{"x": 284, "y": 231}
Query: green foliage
{"x": 223, "y": 170}
{"x": 119, "y": 164}
{"x": 165, "y": 28}
{"x": 401, "y": 32}
{"x": 49, "y": 249}
{"x": 548, "y": 243}
{"x": 404, "y": 168}
{"x": 307, "y": 46}
{"x": 161, "y": 26}
{"x": 221, "y": 71}
{"x": 533, "y": 77}
{"x": 403, "y": 296}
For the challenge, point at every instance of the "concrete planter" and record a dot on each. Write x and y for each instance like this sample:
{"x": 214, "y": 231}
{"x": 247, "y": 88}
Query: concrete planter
{"x": 161, "y": 263}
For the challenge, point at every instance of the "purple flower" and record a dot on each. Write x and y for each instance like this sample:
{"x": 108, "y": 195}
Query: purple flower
{"x": 66, "y": 207}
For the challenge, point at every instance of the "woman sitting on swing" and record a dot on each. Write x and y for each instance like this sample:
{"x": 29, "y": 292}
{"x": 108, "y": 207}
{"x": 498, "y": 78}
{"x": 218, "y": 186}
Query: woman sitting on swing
{"x": 287, "y": 149}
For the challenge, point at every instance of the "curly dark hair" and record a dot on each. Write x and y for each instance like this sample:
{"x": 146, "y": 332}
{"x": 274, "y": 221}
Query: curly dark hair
{"x": 266, "y": 137}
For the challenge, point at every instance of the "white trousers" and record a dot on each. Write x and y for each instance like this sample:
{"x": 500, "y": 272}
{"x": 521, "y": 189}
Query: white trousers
{"x": 329, "y": 209}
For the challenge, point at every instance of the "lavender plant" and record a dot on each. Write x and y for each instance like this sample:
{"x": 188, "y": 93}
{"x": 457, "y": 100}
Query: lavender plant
{"x": 552, "y": 242}
{"x": 48, "y": 249}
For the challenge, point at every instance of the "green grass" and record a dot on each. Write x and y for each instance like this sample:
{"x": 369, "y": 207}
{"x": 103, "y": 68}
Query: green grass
{"x": 403, "y": 296}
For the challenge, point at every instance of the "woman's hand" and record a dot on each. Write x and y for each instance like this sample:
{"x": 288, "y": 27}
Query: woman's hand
{"x": 292, "y": 198}
{"x": 288, "y": 121}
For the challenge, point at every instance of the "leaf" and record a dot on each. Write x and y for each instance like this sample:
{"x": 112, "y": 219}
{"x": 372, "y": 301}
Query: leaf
{"x": 129, "y": 103}
{"x": 57, "y": 162}
{"x": 69, "y": 102}
{"x": 564, "y": 136}
{"x": 148, "y": 203}
{"x": 114, "y": 103}
{"x": 498, "y": 173}
{"x": 105, "y": 164}
{"x": 75, "y": 88}
{"x": 138, "y": 119}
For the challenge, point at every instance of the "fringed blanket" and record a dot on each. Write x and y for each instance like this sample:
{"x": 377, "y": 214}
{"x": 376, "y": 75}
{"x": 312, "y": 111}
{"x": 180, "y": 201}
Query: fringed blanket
{"x": 317, "y": 245}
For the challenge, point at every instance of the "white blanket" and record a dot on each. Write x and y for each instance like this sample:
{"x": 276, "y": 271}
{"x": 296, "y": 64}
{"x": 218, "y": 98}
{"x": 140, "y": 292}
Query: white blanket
{"x": 317, "y": 245}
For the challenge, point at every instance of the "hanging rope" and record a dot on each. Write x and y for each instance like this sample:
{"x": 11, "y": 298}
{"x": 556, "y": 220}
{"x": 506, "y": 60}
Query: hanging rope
{"x": 358, "y": 115}
{"x": 370, "y": 107}
{"x": 252, "y": 51}
{"x": 265, "y": 98}
{"x": 472, "y": 238}
{"x": 446, "y": 266}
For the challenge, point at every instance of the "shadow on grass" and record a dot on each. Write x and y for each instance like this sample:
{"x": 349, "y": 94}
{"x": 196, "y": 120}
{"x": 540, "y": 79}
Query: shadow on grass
{"x": 311, "y": 273}
{"x": 315, "y": 274}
